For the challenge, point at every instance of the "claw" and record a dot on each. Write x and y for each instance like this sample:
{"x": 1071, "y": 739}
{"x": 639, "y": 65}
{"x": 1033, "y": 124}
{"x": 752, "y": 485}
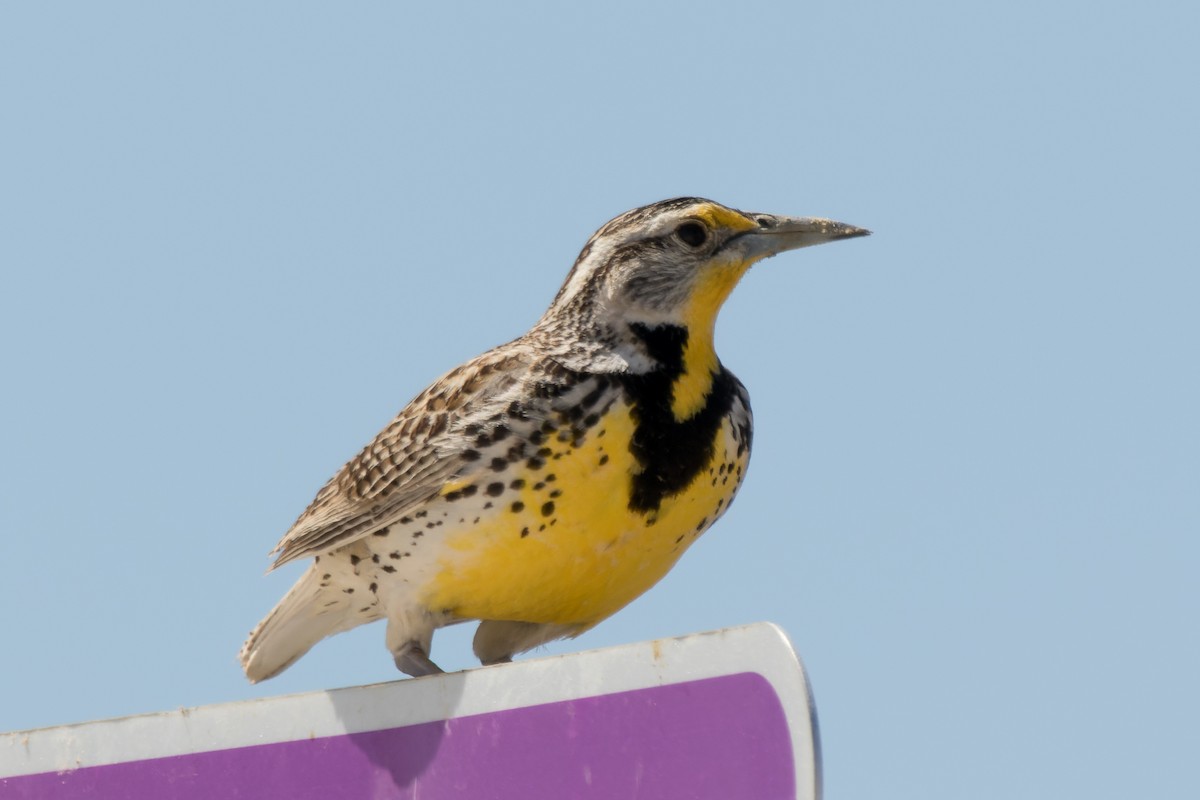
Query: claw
{"x": 412, "y": 660}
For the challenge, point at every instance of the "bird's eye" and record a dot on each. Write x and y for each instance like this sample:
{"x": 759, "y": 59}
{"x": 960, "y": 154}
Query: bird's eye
{"x": 693, "y": 234}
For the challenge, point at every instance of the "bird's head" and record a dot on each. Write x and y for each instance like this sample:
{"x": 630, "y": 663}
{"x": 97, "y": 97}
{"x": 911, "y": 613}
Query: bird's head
{"x": 675, "y": 262}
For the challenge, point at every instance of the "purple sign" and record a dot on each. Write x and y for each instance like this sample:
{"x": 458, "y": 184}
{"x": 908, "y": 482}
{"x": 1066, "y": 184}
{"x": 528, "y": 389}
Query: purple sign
{"x": 724, "y": 738}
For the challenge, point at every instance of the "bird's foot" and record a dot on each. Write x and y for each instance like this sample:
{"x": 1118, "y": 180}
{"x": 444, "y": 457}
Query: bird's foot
{"x": 413, "y": 660}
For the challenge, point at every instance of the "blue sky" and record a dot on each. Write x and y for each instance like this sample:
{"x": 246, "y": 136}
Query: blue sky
{"x": 237, "y": 238}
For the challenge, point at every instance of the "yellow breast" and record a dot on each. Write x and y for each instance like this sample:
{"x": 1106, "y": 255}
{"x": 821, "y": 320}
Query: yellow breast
{"x": 561, "y": 545}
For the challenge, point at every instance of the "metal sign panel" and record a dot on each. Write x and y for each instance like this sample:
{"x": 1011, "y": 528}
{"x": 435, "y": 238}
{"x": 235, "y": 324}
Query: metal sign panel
{"x": 722, "y": 715}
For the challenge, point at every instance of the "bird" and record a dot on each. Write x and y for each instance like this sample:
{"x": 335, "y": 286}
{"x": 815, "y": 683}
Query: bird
{"x": 542, "y": 486}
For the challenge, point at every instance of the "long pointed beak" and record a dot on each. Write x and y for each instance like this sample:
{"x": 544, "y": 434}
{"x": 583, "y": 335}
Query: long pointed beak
{"x": 776, "y": 235}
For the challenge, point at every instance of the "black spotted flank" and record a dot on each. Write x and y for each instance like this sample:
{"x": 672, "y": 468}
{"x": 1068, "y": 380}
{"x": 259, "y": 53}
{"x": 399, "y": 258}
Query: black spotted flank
{"x": 494, "y": 489}
{"x": 591, "y": 398}
{"x": 672, "y": 453}
{"x": 743, "y": 436}
{"x": 549, "y": 390}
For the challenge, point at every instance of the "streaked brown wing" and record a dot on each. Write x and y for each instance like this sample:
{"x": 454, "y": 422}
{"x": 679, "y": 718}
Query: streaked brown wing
{"x": 411, "y": 459}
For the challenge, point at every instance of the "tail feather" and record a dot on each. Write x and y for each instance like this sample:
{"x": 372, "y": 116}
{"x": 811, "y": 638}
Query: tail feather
{"x": 307, "y": 614}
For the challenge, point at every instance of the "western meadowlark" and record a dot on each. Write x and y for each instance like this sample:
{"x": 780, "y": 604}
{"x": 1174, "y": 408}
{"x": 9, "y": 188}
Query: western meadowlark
{"x": 542, "y": 486}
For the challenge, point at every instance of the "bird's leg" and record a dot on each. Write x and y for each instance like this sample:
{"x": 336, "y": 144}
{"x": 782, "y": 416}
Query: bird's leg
{"x": 497, "y": 640}
{"x": 411, "y": 659}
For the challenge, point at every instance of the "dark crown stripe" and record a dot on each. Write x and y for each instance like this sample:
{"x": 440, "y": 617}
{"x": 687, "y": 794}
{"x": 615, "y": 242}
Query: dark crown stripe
{"x": 636, "y": 218}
